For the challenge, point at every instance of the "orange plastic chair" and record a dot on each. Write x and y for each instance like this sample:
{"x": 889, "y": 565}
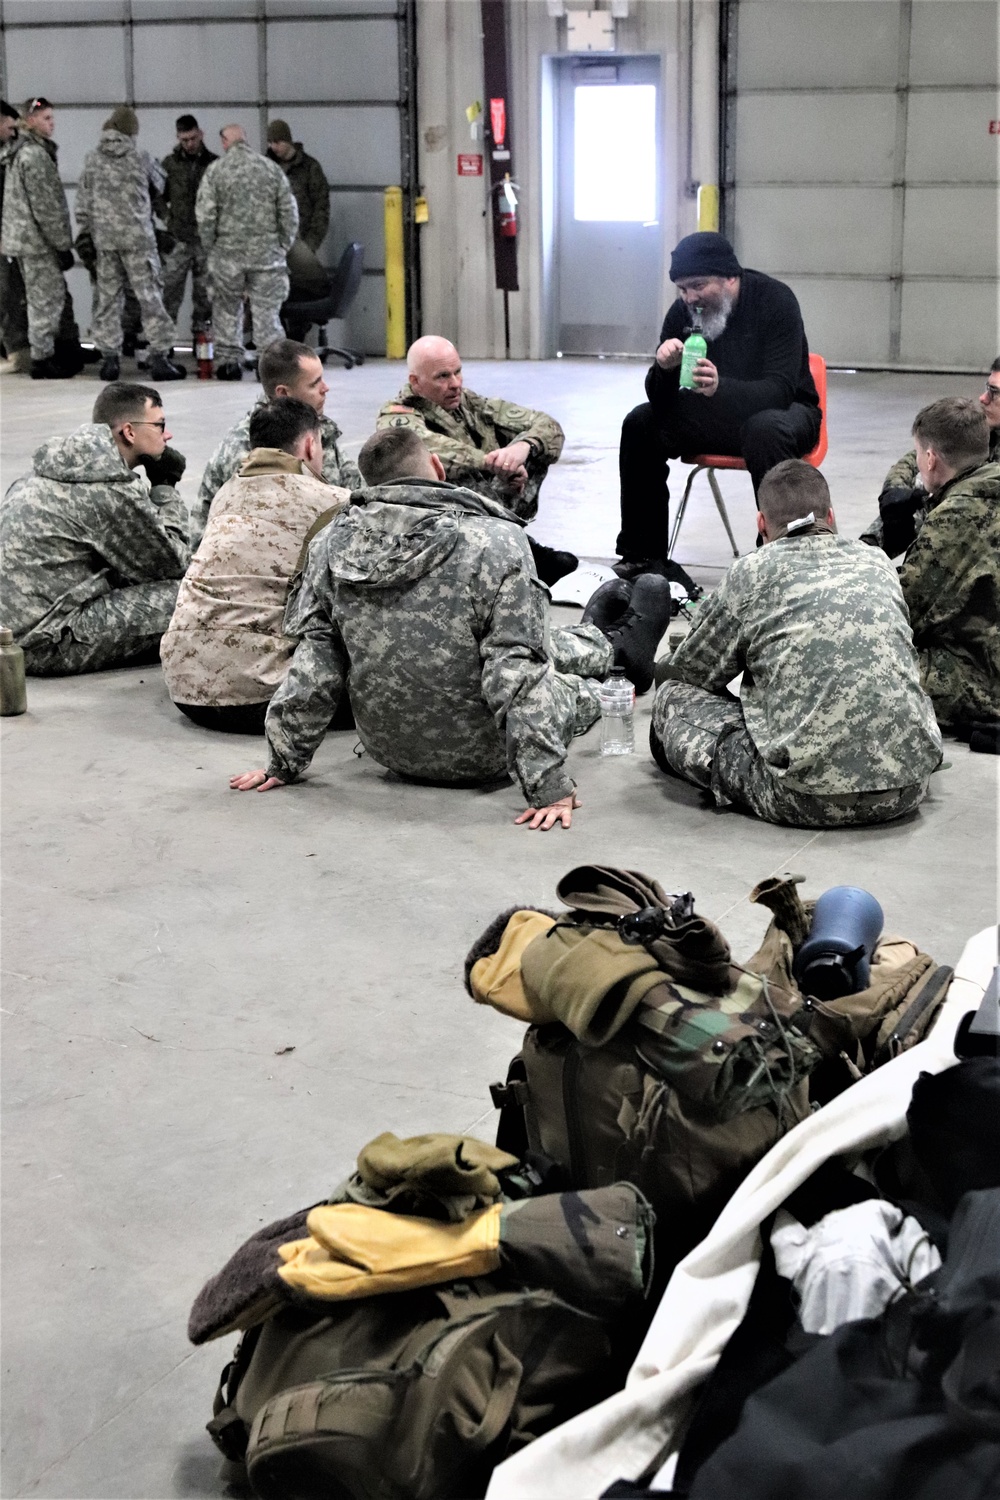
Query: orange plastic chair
{"x": 711, "y": 461}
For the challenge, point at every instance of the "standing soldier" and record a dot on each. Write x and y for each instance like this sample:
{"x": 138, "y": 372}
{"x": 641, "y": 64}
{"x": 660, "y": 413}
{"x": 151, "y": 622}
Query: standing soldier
{"x": 185, "y": 167}
{"x": 113, "y": 205}
{"x": 248, "y": 220}
{"x": 36, "y": 229}
{"x": 13, "y": 307}
{"x": 307, "y": 181}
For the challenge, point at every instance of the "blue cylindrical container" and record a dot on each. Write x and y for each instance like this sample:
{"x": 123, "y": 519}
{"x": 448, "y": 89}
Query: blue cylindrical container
{"x": 834, "y": 960}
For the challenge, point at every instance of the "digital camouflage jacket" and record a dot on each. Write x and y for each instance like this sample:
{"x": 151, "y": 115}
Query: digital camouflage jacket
{"x": 951, "y": 583}
{"x": 114, "y": 196}
{"x": 426, "y": 594}
{"x": 229, "y": 455}
{"x": 246, "y": 213}
{"x": 35, "y": 215}
{"x": 831, "y": 693}
{"x": 81, "y": 524}
{"x": 478, "y": 426}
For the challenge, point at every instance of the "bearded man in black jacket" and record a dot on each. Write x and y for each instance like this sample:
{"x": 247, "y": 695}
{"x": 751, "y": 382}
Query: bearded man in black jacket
{"x": 754, "y": 397}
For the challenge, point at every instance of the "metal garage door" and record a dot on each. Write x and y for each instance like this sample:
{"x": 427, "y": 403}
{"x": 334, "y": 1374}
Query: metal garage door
{"x": 859, "y": 164}
{"x": 342, "y": 72}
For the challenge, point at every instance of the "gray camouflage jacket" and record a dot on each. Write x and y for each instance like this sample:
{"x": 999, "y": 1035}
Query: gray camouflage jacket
{"x": 831, "y": 691}
{"x": 425, "y": 594}
{"x": 229, "y": 455}
{"x": 35, "y": 215}
{"x": 246, "y": 212}
{"x": 81, "y": 524}
{"x": 114, "y": 195}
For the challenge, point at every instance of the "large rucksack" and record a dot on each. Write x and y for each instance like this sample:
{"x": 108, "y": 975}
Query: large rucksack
{"x": 414, "y": 1396}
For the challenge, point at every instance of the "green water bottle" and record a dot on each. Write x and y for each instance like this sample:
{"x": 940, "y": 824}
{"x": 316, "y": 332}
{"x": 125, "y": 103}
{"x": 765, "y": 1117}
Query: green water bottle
{"x": 13, "y": 697}
{"x": 695, "y": 348}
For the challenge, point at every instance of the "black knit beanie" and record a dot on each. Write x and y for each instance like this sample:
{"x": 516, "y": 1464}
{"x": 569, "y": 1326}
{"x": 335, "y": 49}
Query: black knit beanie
{"x": 703, "y": 254}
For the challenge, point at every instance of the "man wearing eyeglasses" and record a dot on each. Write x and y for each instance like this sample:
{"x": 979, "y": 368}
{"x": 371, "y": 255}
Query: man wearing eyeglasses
{"x": 92, "y": 548}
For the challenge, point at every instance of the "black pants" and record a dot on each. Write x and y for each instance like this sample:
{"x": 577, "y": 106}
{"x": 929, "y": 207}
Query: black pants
{"x": 651, "y": 436}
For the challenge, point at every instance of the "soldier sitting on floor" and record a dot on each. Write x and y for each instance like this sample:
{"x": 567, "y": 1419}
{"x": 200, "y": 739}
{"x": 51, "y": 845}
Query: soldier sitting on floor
{"x": 424, "y": 594}
{"x": 93, "y": 550}
{"x": 832, "y": 727}
{"x": 486, "y": 444}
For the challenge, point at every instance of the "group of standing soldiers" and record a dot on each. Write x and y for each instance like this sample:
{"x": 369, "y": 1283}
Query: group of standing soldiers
{"x": 230, "y": 222}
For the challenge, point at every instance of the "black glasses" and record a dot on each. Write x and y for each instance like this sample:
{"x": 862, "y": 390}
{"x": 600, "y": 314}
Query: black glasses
{"x": 991, "y": 392}
{"x": 161, "y": 424}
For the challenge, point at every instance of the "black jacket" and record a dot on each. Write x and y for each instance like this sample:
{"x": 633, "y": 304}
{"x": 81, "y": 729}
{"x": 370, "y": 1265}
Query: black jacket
{"x": 307, "y": 181}
{"x": 762, "y": 355}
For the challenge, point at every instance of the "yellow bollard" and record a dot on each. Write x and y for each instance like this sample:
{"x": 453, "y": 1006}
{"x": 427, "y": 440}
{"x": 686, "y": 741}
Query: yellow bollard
{"x": 708, "y": 206}
{"x": 395, "y": 276}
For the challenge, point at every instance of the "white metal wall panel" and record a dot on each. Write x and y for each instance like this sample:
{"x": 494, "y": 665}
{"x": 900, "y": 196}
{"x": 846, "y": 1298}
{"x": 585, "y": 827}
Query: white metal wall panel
{"x": 333, "y": 73}
{"x": 332, "y": 59}
{"x": 77, "y": 63}
{"x": 205, "y": 60}
{"x": 859, "y": 166}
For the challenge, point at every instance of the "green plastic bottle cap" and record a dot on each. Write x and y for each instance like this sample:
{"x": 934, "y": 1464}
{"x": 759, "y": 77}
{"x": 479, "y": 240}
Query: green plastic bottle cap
{"x": 6, "y": 637}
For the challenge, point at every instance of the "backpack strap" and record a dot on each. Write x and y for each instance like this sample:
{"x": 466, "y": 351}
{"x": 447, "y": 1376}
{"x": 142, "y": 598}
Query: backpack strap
{"x": 227, "y": 1428}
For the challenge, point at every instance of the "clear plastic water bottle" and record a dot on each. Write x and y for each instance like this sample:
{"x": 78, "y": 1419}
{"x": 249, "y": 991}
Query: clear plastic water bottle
{"x": 617, "y": 714}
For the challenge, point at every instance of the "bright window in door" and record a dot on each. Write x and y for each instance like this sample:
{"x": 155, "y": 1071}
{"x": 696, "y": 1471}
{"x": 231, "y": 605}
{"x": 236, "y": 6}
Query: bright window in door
{"x": 614, "y": 153}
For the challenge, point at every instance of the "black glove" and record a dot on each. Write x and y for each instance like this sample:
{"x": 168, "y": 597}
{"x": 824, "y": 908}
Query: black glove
{"x": 167, "y": 469}
{"x": 86, "y": 249}
{"x": 66, "y": 261}
{"x": 165, "y": 241}
{"x": 897, "y": 508}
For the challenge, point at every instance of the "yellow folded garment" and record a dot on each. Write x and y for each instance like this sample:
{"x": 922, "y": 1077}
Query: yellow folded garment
{"x": 354, "y": 1252}
{"x": 496, "y": 979}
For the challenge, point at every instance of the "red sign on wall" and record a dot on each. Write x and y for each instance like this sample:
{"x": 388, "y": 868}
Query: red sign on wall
{"x": 470, "y": 164}
{"x": 995, "y": 127}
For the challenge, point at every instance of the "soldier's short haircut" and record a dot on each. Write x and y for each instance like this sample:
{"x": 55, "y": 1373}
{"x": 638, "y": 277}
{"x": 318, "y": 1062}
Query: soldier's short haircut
{"x": 790, "y": 491}
{"x": 121, "y": 401}
{"x": 184, "y": 123}
{"x": 282, "y": 423}
{"x": 957, "y": 429}
{"x": 995, "y": 366}
{"x": 279, "y": 364}
{"x": 392, "y": 453}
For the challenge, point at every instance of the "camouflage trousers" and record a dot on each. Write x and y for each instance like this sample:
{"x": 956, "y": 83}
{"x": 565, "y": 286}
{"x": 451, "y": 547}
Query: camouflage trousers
{"x": 582, "y": 657}
{"x": 267, "y": 290}
{"x": 50, "y": 306}
{"x": 703, "y": 738}
{"x": 116, "y": 271}
{"x": 115, "y": 630}
{"x": 187, "y": 255}
{"x": 960, "y": 691}
{"x": 13, "y": 306}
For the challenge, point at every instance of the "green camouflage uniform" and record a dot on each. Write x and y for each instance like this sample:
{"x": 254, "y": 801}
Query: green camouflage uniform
{"x": 183, "y": 175}
{"x": 91, "y": 556}
{"x": 36, "y": 228}
{"x": 903, "y": 477}
{"x": 951, "y": 583}
{"x": 426, "y": 595}
{"x": 247, "y": 220}
{"x": 479, "y": 425}
{"x": 832, "y": 727}
{"x": 229, "y": 456}
{"x": 114, "y": 206}
{"x": 307, "y": 181}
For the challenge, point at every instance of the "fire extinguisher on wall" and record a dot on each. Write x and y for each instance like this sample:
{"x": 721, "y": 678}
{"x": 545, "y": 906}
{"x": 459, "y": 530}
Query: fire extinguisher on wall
{"x": 507, "y": 207}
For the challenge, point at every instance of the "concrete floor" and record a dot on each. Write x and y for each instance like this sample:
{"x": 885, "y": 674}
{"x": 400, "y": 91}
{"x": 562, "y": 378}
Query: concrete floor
{"x": 167, "y": 941}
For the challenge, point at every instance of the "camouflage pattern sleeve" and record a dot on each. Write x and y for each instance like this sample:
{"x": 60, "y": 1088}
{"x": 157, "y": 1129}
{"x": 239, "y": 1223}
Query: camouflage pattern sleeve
{"x": 288, "y": 212}
{"x": 206, "y": 207}
{"x": 521, "y": 424}
{"x": 83, "y": 206}
{"x": 710, "y": 656}
{"x": 301, "y": 709}
{"x": 904, "y": 474}
{"x": 943, "y": 564}
{"x": 47, "y": 198}
{"x": 172, "y": 514}
{"x": 146, "y": 539}
{"x": 463, "y": 458}
{"x": 517, "y": 678}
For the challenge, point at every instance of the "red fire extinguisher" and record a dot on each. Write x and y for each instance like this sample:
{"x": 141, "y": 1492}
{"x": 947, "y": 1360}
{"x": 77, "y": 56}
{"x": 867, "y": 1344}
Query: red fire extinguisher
{"x": 204, "y": 352}
{"x": 507, "y": 207}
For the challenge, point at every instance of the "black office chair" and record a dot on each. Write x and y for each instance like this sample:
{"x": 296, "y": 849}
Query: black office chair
{"x": 299, "y": 316}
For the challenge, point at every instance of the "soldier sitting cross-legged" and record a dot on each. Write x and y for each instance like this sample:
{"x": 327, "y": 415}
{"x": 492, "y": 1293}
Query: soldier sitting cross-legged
{"x": 832, "y": 727}
{"x": 424, "y": 595}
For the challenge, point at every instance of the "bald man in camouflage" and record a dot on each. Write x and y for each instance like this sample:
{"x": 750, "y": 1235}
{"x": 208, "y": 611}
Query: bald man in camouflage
{"x": 494, "y": 447}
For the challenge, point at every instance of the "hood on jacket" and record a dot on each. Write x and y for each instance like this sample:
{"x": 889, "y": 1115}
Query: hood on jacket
{"x": 115, "y": 143}
{"x": 88, "y": 456}
{"x": 401, "y": 531}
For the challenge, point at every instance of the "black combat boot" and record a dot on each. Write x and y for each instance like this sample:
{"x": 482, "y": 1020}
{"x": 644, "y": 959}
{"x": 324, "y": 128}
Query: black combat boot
{"x": 607, "y": 605}
{"x": 161, "y": 368}
{"x": 110, "y": 368}
{"x": 229, "y": 370}
{"x": 50, "y": 369}
{"x": 551, "y": 565}
{"x": 636, "y": 636}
